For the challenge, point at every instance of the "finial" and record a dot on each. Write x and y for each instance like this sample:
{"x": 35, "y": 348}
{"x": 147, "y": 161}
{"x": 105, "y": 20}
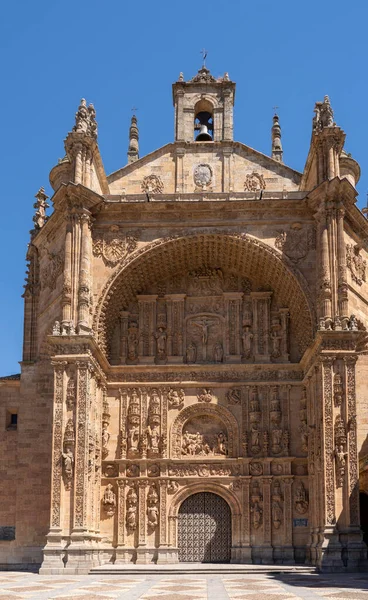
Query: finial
{"x": 204, "y": 56}
{"x": 181, "y": 76}
{"x": 323, "y": 115}
{"x": 276, "y": 138}
{"x": 85, "y": 119}
{"x": 133, "y": 149}
{"x": 40, "y": 205}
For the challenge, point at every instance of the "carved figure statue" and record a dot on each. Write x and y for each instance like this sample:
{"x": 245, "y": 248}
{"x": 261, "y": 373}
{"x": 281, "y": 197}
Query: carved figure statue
{"x": 218, "y": 352}
{"x": 221, "y": 443}
{"x": 109, "y": 500}
{"x": 205, "y": 395}
{"x": 276, "y": 514}
{"x": 256, "y": 512}
{"x": 338, "y": 389}
{"x": 153, "y": 432}
{"x": 191, "y": 353}
{"x": 247, "y": 339}
{"x": 204, "y": 325}
{"x": 301, "y": 502}
{"x": 340, "y": 457}
{"x": 133, "y": 434}
{"x": 68, "y": 463}
{"x": 131, "y": 514}
{"x": 353, "y": 323}
{"x": 276, "y": 344}
{"x": 132, "y": 340}
{"x": 276, "y": 440}
{"x": 255, "y": 439}
{"x": 81, "y": 118}
{"x": 161, "y": 338}
{"x": 105, "y": 440}
{"x": 56, "y": 330}
{"x": 152, "y": 508}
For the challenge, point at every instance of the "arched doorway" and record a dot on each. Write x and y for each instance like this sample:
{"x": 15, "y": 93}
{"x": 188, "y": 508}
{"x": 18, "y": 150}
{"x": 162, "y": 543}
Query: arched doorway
{"x": 204, "y": 529}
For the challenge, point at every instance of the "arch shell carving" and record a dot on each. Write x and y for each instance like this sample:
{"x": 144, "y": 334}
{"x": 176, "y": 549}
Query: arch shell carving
{"x": 197, "y": 410}
{"x": 233, "y": 252}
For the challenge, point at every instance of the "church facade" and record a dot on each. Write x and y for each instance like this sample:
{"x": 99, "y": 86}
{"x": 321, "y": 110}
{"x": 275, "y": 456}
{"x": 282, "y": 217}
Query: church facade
{"x": 194, "y": 366}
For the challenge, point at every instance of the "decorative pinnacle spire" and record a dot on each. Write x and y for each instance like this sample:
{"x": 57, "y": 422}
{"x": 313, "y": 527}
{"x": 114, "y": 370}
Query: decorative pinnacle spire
{"x": 85, "y": 120}
{"x": 324, "y": 116}
{"x": 133, "y": 149}
{"x": 276, "y": 139}
{"x": 40, "y": 205}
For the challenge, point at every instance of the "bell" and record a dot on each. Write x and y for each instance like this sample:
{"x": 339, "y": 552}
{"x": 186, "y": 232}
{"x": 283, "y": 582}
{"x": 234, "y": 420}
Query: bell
{"x": 203, "y": 135}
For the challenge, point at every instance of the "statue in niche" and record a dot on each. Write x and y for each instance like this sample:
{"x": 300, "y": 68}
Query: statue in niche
{"x": 132, "y": 340}
{"x": 153, "y": 432}
{"x": 68, "y": 464}
{"x": 191, "y": 353}
{"x": 161, "y": 338}
{"x": 204, "y": 325}
{"x": 105, "y": 439}
{"x": 109, "y": 500}
{"x": 301, "y": 499}
{"x": 276, "y": 344}
{"x": 338, "y": 389}
{"x": 340, "y": 457}
{"x": 255, "y": 439}
{"x": 247, "y": 339}
{"x": 276, "y": 508}
{"x": 218, "y": 352}
{"x": 276, "y": 440}
{"x": 133, "y": 434}
{"x": 256, "y": 509}
{"x": 132, "y": 505}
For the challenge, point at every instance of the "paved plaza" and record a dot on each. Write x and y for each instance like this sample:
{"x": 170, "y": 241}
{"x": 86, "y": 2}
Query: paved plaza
{"x": 275, "y": 586}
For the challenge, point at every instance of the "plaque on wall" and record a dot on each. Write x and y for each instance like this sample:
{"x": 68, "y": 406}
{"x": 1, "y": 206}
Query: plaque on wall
{"x": 7, "y": 534}
{"x": 300, "y": 522}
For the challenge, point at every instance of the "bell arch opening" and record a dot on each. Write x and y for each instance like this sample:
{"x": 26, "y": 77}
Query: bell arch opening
{"x": 174, "y": 301}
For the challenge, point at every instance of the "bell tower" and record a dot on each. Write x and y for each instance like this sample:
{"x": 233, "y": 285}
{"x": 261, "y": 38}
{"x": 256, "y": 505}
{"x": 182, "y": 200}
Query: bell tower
{"x": 204, "y": 108}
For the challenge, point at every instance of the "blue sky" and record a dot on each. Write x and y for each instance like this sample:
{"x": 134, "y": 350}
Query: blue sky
{"x": 118, "y": 55}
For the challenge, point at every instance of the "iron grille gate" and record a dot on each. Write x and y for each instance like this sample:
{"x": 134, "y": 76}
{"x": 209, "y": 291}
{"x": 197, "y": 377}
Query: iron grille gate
{"x": 204, "y": 529}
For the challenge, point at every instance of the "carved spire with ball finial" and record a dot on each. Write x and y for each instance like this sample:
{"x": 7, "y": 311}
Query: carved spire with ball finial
{"x": 133, "y": 149}
{"x": 276, "y": 139}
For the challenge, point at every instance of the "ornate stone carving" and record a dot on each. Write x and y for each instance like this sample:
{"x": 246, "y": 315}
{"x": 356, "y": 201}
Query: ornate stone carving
{"x": 152, "y": 184}
{"x": 203, "y": 470}
{"x": 303, "y": 427}
{"x": 356, "y": 263}
{"x": 296, "y": 242}
{"x": 114, "y": 245}
{"x": 204, "y": 444}
{"x": 254, "y": 182}
{"x": 323, "y": 115}
{"x": 51, "y": 271}
{"x": 172, "y": 487}
{"x": 132, "y": 342}
{"x": 152, "y": 507}
{"x": 111, "y": 470}
{"x": 132, "y": 509}
{"x": 247, "y": 341}
{"x": 68, "y": 467}
{"x": 206, "y": 395}
{"x": 301, "y": 502}
{"x": 338, "y": 389}
{"x": 70, "y": 393}
{"x": 161, "y": 337}
{"x": 154, "y": 424}
{"x": 233, "y": 396}
{"x": 133, "y": 434}
{"x": 340, "y": 450}
{"x": 109, "y": 500}
{"x": 230, "y": 375}
{"x": 133, "y": 470}
{"x": 255, "y": 468}
{"x": 256, "y": 509}
{"x": 276, "y": 505}
{"x": 203, "y": 177}
{"x": 176, "y": 398}
{"x": 85, "y": 120}
{"x": 153, "y": 470}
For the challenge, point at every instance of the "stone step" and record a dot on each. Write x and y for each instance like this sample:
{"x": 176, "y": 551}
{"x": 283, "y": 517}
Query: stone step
{"x": 199, "y": 568}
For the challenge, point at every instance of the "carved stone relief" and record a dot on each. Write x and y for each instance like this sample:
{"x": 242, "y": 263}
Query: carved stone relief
{"x": 355, "y": 263}
{"x": 51, "y": 271}
{"x": 296, "y": 242}
{"x": 114, "y": 245}
{"x": 109, "y": 500}
{"x": 132, "y": 509}
{"x": 152, "y": 183}
{"x": 206, "y": 395}
{"x": 234, "y": 396}
{"x": 256, "y": 508}
{"x": 204, "y": 436}
{"x": 340, "y": 451}
{"x": 152, "y": 507}
{"x": 176, "y": 398}
{"x": 254, "y": 182}
{"x": 301, "y": 502}
{"x": 303, "y": 428}
{"x": 202, "y": 177}
{"x": 276, "y": 505}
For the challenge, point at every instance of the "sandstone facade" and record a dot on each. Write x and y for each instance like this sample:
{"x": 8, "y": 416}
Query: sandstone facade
{"x": 194, "y": 341}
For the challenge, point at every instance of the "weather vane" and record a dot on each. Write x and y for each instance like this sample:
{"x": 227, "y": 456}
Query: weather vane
{"x": 134, "y": 109}
{"x": 204, "y": 55}
{"x": 275, "y": 109}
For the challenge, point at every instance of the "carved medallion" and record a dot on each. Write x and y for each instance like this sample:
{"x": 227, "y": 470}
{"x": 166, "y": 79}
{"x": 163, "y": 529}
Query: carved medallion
{"x": 254, "y": 182}
{"x": 205, "y": 395}
{"x": 234, "y": 396}
{"x": 176, "y": 398}
{"x": 202, "y": 176}
{"x": 355, "y": 263}
{"x": 113, "y": 245}
{"x": 153, "y": 184}
{"x": 295, "y": 243}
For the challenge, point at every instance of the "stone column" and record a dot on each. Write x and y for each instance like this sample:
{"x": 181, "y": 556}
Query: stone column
{"x": 284, "y": 314}
{"x": 342, "y": 277}
{"x": 261, "y": 302}
{"x": 66, "y": 299}
{"x": 288, "y": 548}
{"x": 227, "y": 183}
{"x": 325, "y": 293}
{"x": 122, "y": 556}
{"x": 84, "y": 289}
{"x": 179, "y": 109}
{"x": 124, "y": 318}
{"x": 147, "y": 328}
{"x": 228, "y": 113}
{"x": 246, "y": 550}
{"x": 163, "y": 550}
{"x": 233, "y": 308}
{"x": 53, "y": 551}
{"x": 179, "y": 174}
{"x": 175, "y": 324}
{"x": 78, "y": 163}
{"x": 267, "y": 550}
{"x": 144, "y": 556}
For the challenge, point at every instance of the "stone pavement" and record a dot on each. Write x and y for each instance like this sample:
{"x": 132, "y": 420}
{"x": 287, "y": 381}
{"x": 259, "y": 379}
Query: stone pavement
{"x": 275, "y": 586}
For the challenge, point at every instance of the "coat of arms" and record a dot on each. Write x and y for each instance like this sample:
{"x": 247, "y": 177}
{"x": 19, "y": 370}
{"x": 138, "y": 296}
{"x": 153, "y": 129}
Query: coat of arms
{"x": 356, "y": 263}
{"x": 114, "y": 245}
{"x": 295, "y": 243}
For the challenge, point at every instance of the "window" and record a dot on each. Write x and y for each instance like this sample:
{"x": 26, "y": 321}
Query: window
{"x": 11, "y": 420}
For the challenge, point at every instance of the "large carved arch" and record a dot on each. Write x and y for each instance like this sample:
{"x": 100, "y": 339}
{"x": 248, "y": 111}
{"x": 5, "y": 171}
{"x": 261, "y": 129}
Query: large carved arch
{"x": 242, "y": 254}
{"x": 196, "y": 410}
